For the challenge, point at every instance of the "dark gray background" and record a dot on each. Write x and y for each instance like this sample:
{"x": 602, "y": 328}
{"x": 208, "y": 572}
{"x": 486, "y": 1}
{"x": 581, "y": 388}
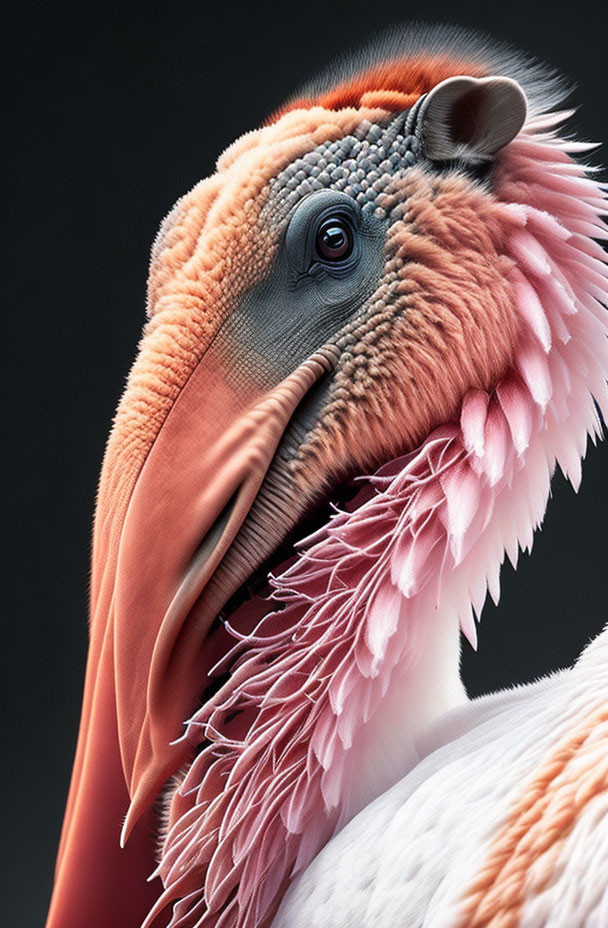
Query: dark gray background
{"x": 116, "y": 111}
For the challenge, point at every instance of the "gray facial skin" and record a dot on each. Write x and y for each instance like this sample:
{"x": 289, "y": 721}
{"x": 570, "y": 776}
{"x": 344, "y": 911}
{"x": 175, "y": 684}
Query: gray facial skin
{"x": 305, "y": 301}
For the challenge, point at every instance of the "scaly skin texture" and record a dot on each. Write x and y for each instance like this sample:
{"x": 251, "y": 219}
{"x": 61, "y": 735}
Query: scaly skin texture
{"x": 441, "y": 321}
{"x": 505, "y": 823}
{"x": 226, "y": 435}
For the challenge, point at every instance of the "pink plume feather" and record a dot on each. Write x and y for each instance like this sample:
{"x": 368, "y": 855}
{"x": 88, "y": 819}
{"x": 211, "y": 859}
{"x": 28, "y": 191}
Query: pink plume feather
{"x": 265, "y": 792}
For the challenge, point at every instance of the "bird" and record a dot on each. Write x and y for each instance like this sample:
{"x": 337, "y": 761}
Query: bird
{"x": 372, "y": 335}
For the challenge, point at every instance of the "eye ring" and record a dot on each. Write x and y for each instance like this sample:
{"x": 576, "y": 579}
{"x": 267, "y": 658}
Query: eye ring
{"x": 334, "y": 241}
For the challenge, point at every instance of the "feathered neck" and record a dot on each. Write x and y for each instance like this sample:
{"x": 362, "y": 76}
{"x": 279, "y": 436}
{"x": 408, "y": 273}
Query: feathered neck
{"x": 290, "y": 742}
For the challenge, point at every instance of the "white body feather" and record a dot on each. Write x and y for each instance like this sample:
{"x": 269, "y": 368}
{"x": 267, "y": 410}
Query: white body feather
{"x": 409, "y": 858}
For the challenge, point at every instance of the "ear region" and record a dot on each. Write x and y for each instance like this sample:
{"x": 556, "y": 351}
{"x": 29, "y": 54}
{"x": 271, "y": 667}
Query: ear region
{"x": 470, "y": 118}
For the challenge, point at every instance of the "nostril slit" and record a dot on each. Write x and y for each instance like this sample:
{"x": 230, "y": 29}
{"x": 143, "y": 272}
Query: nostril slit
{"x": 213, "y": 537}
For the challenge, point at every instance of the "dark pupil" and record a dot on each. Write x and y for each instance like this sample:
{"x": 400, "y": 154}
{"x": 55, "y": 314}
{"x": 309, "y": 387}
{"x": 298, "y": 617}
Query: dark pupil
{"x": 334, "y": 240}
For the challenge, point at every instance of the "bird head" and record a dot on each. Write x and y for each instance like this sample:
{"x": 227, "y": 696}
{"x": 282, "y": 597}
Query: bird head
{"x": 317, "y": 307}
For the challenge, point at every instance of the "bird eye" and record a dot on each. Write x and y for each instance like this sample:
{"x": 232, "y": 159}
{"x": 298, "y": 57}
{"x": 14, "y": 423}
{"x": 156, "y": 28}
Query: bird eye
{"x": 335, "y": 239}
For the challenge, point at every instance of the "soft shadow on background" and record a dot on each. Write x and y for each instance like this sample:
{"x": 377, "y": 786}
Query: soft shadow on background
{"x": 116, "y": 112}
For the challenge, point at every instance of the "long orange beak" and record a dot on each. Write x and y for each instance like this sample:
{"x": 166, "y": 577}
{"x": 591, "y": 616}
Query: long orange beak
{"x": 165, "y": 521}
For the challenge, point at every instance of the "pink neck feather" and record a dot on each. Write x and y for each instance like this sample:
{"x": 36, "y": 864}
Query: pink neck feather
{"x": 286, "y": 735}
